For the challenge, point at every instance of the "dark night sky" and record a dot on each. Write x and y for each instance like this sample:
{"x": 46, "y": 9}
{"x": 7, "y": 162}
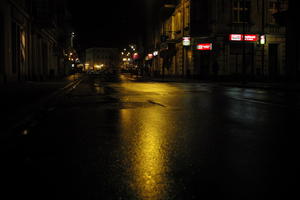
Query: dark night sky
{"x": 111, "y": 23}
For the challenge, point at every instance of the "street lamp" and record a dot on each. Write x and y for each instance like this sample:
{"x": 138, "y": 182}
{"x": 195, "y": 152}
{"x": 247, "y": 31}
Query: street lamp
{"x": 72, "y": 39}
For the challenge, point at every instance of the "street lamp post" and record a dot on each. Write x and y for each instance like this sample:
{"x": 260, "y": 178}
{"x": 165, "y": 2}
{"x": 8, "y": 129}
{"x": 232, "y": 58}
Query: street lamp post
{"x": 183, "y": 50}
{"x": 244, "y": 43}
{"x": 72, "y": 39}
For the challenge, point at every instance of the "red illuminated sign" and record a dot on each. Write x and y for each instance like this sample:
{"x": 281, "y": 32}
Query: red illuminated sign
{"x": 250, "y": 38}
{"x": 236, "y": 37}
{"x": 204, "y": 47}
{"x": 241, "y": 37}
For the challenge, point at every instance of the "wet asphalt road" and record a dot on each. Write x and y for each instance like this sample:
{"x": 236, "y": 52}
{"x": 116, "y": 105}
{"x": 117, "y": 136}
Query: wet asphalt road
{"x": 116, "y": 138}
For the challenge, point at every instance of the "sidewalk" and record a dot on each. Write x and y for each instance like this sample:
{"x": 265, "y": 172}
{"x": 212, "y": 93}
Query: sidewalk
{"x": 287, "y": 87}
{"x": 19, "y": 100}
{"x": 281, "y": 86}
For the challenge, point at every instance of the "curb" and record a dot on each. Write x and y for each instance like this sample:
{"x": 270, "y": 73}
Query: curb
{"x": 262, "y": 87}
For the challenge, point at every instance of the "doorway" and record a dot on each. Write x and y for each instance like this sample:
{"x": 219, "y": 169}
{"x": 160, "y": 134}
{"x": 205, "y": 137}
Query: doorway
{"x": 273, "y": 61}
{"x": 202, "y": 64}
{"x": 2, "y": 56}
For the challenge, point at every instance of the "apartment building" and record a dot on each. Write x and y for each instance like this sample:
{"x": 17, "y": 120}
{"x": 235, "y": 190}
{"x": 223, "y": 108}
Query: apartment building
{"x": 102, "y": 58}
{"x": 33, "y": 36}
{"x": 228, "y": 38}
{"x": 15, "y": 29}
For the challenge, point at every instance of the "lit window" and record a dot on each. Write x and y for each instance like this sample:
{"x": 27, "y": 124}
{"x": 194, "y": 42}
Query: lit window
{"x": 23, "y": 45}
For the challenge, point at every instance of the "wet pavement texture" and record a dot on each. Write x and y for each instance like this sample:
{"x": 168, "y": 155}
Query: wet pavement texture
{"x": 19, "y": 99}
{"x": 116, "y": 138}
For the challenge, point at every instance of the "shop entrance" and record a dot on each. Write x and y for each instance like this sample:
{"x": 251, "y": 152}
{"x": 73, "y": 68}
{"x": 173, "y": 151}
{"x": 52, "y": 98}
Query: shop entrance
{"x": 239, "y": 52}
{"x": 273, "y": 60}
{"x": 202, "y": 64}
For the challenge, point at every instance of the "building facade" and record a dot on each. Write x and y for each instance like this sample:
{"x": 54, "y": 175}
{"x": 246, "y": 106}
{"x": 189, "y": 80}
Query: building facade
{"x": 289, "y": 19}
{"x": 33, "y": 35}
{"x": 228, "y": 38}
{"x": 15, "y": 31}
{"x": 102, "y": 58}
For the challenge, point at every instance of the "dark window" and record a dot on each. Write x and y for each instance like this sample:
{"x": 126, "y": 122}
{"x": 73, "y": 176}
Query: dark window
{"x": 15, "y": 45}
{"x": 45, "y": 58}
{"x": 273, "y": 8}
{"x": 241, "y": 11}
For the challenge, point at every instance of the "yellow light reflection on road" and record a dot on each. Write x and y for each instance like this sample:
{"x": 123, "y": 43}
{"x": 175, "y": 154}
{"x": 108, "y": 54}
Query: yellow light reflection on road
{"x": 148, "y": 152}
{"x": 150, "y": 87}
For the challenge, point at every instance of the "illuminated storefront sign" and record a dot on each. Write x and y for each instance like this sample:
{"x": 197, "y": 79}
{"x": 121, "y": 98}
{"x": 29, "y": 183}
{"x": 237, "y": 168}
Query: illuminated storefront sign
{"x": 243, "y": 37}
{"x": 204, "y": 47}
{"x": 186, "y": 41}
{"x": 236, "y": 37}
{"x": 250, "y": 38}
{"x": 262, "y": 39}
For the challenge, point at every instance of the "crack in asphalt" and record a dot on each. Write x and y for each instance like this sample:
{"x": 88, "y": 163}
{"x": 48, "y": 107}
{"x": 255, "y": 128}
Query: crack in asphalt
{"x": 153, "y": 102}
